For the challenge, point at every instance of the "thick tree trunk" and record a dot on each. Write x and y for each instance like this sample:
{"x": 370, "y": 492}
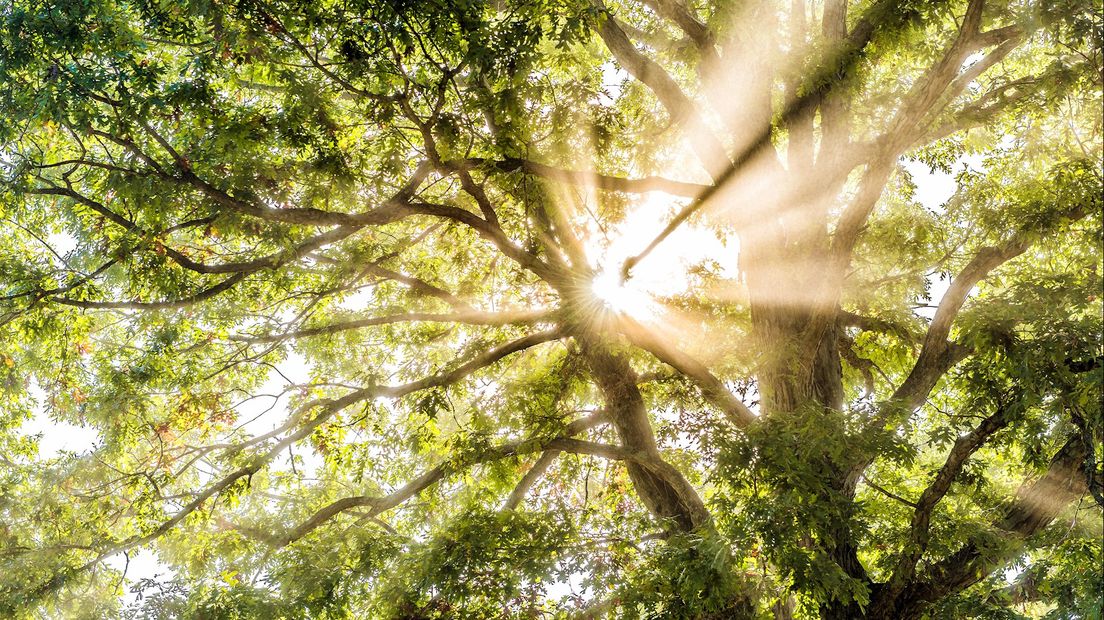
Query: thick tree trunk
{"x": 782, "y": 295}
{"x": 782, "y": 259}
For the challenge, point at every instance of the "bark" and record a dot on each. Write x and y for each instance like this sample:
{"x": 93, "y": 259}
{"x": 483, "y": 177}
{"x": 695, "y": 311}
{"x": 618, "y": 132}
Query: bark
{"x": 529, "y": 479}
{"x": 780, "y": 313}
{"x": 662, "y": 488}
{"x": 790, "y": 384}
{"x": 834, "y": 109}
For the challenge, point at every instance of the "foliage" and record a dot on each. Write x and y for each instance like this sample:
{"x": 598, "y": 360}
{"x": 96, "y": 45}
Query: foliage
{"x": 545, "y": 308}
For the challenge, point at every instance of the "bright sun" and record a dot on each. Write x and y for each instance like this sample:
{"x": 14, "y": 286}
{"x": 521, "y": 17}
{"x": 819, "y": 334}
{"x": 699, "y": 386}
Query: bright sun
{"x": 664, "y": 272}
{"x": 620, "y": 296}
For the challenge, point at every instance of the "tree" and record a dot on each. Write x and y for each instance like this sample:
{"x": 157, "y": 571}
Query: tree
{"x": 424, "y": 205}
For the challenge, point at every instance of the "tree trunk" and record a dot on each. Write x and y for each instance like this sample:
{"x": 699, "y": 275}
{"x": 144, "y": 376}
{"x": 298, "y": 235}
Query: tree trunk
{"x": 782, "y": 294}
{"x": 782, "y": 259}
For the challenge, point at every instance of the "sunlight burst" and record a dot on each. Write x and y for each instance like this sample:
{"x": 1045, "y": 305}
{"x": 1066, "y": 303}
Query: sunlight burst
{"x": 666, "y": 272}
{"x": 622, "y": 297}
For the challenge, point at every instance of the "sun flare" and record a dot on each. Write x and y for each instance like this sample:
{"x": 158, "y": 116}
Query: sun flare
{"x": 623, "y": 297}
{"x": 666, "y": 272}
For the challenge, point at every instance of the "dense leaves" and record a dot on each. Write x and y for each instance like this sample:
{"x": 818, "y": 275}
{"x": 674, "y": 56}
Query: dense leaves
{"x": 550, "y": 308}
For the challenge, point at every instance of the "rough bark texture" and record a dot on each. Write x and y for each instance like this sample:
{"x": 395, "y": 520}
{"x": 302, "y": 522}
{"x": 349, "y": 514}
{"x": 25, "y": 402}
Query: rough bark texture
{"x": 789, "y": 384}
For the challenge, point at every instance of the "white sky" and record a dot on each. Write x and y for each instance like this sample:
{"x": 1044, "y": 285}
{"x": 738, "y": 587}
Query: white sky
{"x": 933, "y": 190}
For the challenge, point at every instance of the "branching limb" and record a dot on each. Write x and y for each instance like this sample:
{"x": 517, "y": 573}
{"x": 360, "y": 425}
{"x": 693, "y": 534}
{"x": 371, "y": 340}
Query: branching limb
{"x": 984, "y": 109}
{"x": 936, "y": 84}
{"x": 937, "y": 355}
{"x": 905, "y": 126}
{"x": 183, "y": 174}
{"x": 273, "y": 261}
{"x": 920, "y": 527}
{"x": 711, "y": 387}
{"x": 975, "y": 70}
{"x": 467, "y": 318}
{"x": 175, "y": 304}
{"x": 842, "y": 63}
{"x": 682, "y": 109}
{"x": 378, "y": 505}
{"x": 420, "y": 286}
{"x": 1035, "y": 507}
{"x": 270, "y": 261}
{"x": 497, "y": 237}
{"x": 530, "y": 478}
{"x": 680, "y": 15}
{"x": 875, "y": 324}
{"x": 661, "y": 487}
{"x": 835, "y": 124}
{"x": 891, "y": 495}
{"x": 327, "y": 410}
{"x": 274, "y": 25}
{"x": 704, "y": 41}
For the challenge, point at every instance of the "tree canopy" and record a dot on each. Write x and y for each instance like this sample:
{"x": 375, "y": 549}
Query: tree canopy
{"x": 552, "y": 308}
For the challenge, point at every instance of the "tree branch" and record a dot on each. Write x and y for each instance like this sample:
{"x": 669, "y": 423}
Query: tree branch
{"x": 1035, "y": 507}
{"x": 711, "y": 387}
{"x": 875, "y": 324}
{"x": 379, "y": 505}
{"x": 921, "y": 99}
{"x": 175, "y": 304}
{"x": 920, "y": 528}
{"x": 420, "y": 286}
{"x": 468, "y": 318}
{"x": 835, "y": 125}
{"x": 883, "y": 14}
{"x": 682, "y": 109}
{"x": 495, "y": 235}
{"x": 529, "y": 479}
{"x": 240, "y": 270}
{"x": 936, "y": 354}
{"x": 870, "y": 483}
{"x": 688, "y": 23}
{"x": 328, "y": 409}
{"x": 387, "y": 212}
